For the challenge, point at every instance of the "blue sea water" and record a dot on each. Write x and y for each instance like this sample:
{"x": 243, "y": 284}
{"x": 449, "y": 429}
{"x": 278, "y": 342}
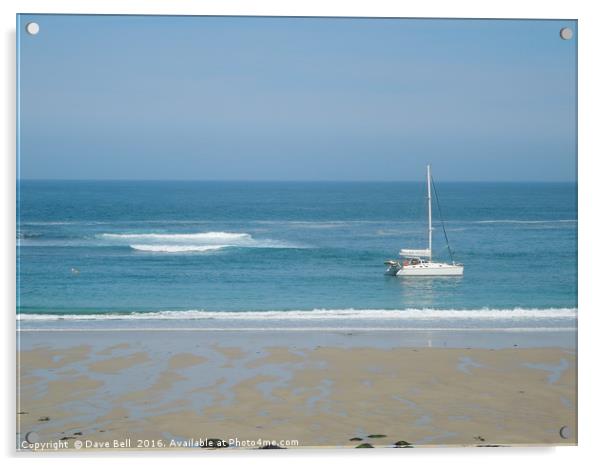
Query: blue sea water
{"x": 291, "y": 252}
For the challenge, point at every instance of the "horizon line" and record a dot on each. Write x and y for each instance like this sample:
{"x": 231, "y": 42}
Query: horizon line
{"x": 242, "y": 180}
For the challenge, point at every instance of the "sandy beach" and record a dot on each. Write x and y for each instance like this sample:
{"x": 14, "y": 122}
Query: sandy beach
{"x": 177, "y": 389}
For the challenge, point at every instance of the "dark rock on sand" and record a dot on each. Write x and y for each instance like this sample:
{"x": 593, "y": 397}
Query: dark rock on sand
{"x": 355, "y": 439}
{"x": 271, "y": 447}
{"x": 376, "y": 436}
{"x": 403, "y": 444}
{"x": 364, "y": 445}
{"x": 67, "y": 438}
{"x": 44, "y": 419}
{"x": 479, "y": 438}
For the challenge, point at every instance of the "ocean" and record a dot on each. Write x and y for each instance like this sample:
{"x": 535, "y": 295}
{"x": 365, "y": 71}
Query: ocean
{"x": 296, "y": 255}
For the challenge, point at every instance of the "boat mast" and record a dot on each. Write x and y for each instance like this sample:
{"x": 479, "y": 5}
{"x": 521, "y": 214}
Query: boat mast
{"x": 428, "y": 190}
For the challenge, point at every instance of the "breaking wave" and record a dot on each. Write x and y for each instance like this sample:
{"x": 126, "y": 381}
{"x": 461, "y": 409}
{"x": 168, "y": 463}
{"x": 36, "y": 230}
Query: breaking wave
{"x": 210, "y": 236}
{"x": 192, "y": 242}
{"x": 326, "y": 314}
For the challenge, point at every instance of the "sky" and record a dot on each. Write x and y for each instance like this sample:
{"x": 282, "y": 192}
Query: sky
{"x": 235, "y": 98}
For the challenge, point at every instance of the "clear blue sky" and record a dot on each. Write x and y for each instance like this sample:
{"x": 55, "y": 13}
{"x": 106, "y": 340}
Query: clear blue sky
{"x": 135, "y": 97}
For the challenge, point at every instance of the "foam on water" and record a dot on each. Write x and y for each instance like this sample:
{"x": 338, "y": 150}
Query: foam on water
{"x": 210, "y": 236}
{"x": 176, "y": 248}
{"x": 326, "y": 314}
{"x": 192, "y": 242}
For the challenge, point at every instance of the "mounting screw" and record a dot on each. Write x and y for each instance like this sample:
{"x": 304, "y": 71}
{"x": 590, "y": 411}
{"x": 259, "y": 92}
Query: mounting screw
{"x": 566, "y": 33}
{"x": 32, "y": 28}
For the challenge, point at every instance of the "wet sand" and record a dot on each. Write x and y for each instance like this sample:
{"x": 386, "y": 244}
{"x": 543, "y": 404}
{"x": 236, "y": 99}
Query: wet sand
{"x": 176, "y": 389}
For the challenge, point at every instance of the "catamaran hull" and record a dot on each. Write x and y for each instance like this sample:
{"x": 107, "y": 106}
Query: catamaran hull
{"x": 429, "y": 271}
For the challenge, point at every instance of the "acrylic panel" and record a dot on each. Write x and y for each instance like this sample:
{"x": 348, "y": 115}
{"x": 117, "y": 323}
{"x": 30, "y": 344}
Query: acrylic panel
{"x": 278, "y": 232}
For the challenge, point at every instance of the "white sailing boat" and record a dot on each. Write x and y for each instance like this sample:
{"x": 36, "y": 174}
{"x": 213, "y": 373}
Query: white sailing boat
{"x": 419, "y": 262}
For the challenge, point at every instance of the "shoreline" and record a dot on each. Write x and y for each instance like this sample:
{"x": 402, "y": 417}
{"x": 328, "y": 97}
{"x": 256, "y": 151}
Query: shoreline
{"x": 352, "y": 337}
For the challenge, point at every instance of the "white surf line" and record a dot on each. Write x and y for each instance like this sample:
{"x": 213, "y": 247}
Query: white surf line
{"x": 303, "y": 329}
{"x": 315, "y": 314}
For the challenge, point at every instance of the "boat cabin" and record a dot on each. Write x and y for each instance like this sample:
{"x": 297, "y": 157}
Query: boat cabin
{"x": 412, "y": 261}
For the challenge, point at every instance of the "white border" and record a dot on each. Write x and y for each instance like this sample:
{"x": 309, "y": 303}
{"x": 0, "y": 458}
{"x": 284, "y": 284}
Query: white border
{"x": 590, "y": 308}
